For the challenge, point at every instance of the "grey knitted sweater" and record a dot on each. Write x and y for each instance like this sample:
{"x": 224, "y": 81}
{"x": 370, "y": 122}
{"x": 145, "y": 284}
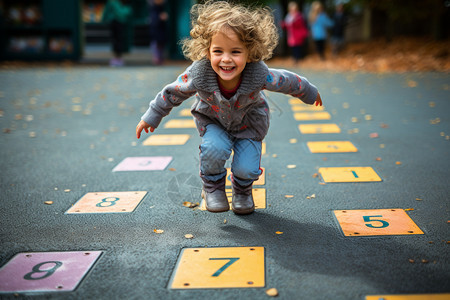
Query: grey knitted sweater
{"x": 246, "y": 114}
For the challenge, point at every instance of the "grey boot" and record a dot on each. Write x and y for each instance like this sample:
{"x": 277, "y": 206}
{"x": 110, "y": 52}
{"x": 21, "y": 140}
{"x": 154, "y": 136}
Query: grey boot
{"x": 242, "y": 199}
{"x": 215, "y": 197}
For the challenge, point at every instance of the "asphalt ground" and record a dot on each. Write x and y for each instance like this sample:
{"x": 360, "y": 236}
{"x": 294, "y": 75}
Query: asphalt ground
{"x": 66, "y": 129}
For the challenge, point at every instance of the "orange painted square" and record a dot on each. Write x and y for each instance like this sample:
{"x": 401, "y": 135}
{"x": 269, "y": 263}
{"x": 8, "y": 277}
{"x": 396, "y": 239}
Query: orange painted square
{"x": 318, "y": 128}
{"x": 309, "y": 116}
{"x": 180, "y": 124}
{"x": 166, "y": 139}
{"x": 370, "y": 222}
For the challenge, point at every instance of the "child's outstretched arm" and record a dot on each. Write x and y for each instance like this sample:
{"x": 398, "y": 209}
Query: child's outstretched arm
{"x": 172, "y": 95}
{"x": 143, "y": 126}
{"x": 287, "y": 82}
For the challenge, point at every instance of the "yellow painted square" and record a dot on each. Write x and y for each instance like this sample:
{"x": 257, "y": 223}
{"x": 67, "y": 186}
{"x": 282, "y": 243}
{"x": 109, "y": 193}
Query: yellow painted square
{"x": 296, "y": 101}
{"x": 180, "y": 124}
{"x": 349, "y": 174}
{"x": 230, "y": 267}
{"x": 261, "y": 180}
{"x": 331, "y": 147}
{"x": 309, "y": 116}
{"x": 318, "y": 128}
{"x": 307, "y": 108}
{"x": 410, "y": 297}
{"x": 186, "y": 112}
{"x": 370, "y": 222}
{"x": 259, "y": 197}
{"x": 108, "y": 202}
{"x": 166, "y": 139}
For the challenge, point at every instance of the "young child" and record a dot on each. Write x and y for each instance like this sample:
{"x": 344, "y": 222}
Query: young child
{"x": 227, "y": 46}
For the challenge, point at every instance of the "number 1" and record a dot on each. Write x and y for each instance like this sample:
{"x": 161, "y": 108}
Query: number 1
{"x": 231, "y": 261}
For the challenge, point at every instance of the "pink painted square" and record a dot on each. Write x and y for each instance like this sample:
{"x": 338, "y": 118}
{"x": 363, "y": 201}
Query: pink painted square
{"x": 149, "y": 163}
{"x": 46, "y": 271}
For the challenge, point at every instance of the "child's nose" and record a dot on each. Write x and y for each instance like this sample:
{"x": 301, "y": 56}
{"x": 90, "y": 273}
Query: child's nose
{"x": 226, "y": 58}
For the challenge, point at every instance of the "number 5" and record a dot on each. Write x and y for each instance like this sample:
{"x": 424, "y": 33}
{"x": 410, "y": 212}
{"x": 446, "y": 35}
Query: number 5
{"x": 368, "y": 219}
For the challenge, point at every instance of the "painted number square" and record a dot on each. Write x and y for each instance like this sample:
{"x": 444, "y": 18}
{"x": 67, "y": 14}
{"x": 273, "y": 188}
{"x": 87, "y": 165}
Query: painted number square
{"x": 349, "y": 174}
{"x": 46, "y": 271}
{"x": 109, "y": 202}
{"x": 318, "y": 128}
{"x": 148, "y": 163}
{"x": 309, "y": 116}
{"x": 376, "y": 222}
{"x": 186, "y": 112}
{"x": 445, "y": 296}
{"x": 306, "y": 107}
{"x": 230, "y": 267}
{"x": 259, "y": 197}
{"x": 180, "y": 124}
{"x": 166, "y": 139}
{"x": 331, "y": 147}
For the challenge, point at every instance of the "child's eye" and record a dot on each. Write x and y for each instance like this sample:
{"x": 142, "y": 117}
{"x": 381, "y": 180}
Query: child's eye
{"x": 236, "y": 52}
{"x": 217, "y": 51}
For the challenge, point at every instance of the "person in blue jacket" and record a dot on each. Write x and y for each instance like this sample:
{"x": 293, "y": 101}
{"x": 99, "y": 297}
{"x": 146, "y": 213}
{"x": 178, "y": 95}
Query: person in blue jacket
{"x": 319, "y": 22}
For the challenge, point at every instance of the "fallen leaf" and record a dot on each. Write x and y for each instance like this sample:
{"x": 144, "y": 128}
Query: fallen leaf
{"x": 288, "y": 196}
{"x": 425, "y": 261}
{"x": 432, "y": 104}
{"x": 311, "y": 197}
{"x": 172, "y": 169}
{"x": 189, "y": 236}
{"x": 354, "y": 120}
{"x": 274, "y": 155}
{"x": 408, "y": 209}
{"x": 225, "y": 221}
{"x": 382, "y": 146}
{"x": 419, "y": 199}
{"x": 291, "y": 166}
{"x": 412, "y": 83}
{"x": 398, "y": 162}
{"x": 378, "y": 159}
{"x": 158, "y": 231}
{"x": 279, "y": 232}
{"x": 32, "y": 134}
{"x": 384, "y": 125}
{"x": 368, "y": 117}
{"x": 373, "y": 135}
{"x": 48, "y": 202}
{"x": 67, "y": 190}
{"x": 273, "y": 292}
{"x": 293, "y": 141}
{"x": 411, "y": 260}
{"x": 190, "y": 204}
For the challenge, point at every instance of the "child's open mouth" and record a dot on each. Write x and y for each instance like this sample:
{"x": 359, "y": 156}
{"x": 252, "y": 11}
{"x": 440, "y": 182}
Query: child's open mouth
{"x": 227, "y": 69}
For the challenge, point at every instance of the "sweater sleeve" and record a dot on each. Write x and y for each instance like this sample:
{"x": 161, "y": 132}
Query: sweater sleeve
{"x": 287, "y": 82}
{"x": 171, "y": 95}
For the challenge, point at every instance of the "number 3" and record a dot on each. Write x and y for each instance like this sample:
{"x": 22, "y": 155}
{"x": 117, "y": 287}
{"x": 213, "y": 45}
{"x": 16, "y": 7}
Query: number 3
{"x": 368, "y": 219}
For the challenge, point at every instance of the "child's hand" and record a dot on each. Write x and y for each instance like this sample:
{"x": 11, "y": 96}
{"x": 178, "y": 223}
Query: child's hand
{"x": 143, "y": 126}
{"x": 318, "y": 100}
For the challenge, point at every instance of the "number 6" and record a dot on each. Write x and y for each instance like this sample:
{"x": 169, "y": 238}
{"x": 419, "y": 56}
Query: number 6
{"x": 368, "y": 219}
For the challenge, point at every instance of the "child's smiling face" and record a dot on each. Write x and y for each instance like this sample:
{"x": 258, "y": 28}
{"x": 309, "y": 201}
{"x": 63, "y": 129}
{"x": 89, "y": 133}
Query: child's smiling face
{"x": 228, "y": 56}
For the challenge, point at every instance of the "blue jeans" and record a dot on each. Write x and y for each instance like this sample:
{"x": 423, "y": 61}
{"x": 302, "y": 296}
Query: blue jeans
{"x": 216, "y": 149}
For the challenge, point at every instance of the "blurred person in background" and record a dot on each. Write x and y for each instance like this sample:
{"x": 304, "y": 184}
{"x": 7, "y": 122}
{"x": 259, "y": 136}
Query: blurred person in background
{"x": 319, "y": 22}
{"x": 296, "y": 29}
{"x": 158, "y": 30}
{"x": 338, "y": 30}
{"x": 117, "y": 13}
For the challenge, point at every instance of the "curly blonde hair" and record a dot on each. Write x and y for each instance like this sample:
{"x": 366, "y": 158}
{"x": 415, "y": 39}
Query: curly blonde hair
{"x": 255, "y": 27}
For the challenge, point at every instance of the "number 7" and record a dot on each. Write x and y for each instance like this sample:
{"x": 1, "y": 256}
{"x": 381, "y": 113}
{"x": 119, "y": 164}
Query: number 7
{"x": 232, "y": 260}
